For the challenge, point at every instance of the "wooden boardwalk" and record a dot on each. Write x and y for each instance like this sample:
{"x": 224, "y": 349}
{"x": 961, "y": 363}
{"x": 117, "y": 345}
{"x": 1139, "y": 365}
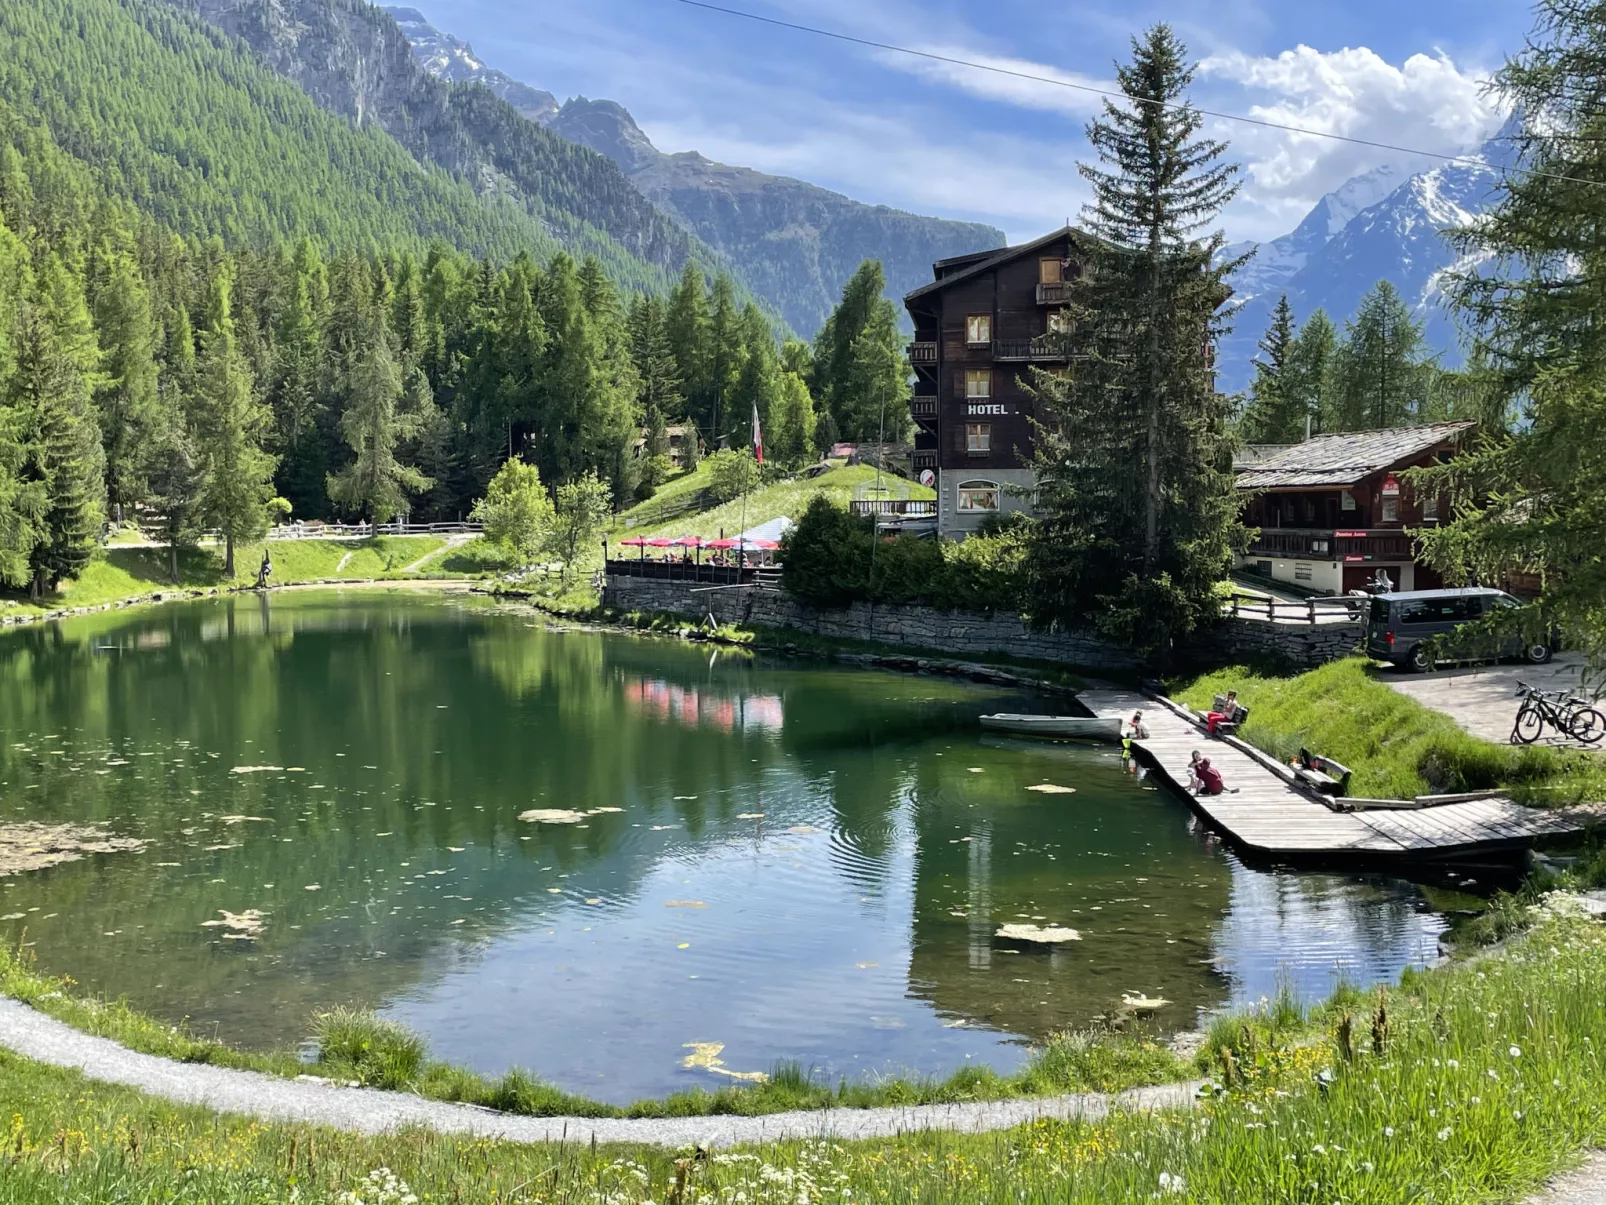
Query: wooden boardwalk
{"x": 1269, "y": 816}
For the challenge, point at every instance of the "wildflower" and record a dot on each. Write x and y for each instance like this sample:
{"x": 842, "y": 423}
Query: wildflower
{"x": 1318, "y": 1149}
{"x": 1171, "y": 1183}
{"x": 1516, "y": 1115}
{"x": 1368, "y": 1166}
{"x": 1555, "y": 1083}
{"x": 1444, "y": 1134}
{"x": 1388, "y": 1131}
{"x": 1516, "y": 1052}
{"x": 1493, "y": 1074}
{"x": 1452, "y": 1062}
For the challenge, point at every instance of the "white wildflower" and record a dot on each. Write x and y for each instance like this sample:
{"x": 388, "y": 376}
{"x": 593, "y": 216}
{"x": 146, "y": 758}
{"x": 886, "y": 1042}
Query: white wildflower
{"x": 1444, "y": 1134}
{"x": 1388, "y": 1131}
{"x": 1171, "y": 1183}
{"x": 1515, "y": 1052}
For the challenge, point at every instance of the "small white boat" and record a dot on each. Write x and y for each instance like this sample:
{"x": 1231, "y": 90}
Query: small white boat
{"x": 1092, "y": 728}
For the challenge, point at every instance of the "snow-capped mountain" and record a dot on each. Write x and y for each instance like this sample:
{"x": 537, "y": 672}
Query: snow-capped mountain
{"x": 1347, "y": 244}
{"x": 454, "y": 59}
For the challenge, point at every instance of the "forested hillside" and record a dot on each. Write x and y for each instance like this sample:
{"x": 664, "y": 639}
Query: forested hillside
{"x": 353, "y": 61}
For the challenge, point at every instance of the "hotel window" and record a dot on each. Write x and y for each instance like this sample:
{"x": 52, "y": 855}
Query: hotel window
{"x": 1430, "y": 510}
{"x": 1050, "y": 271}
{"x": 979, "y": 329}
{"x": 1346, "y": 501}
{"x": 978, "y": 437}
{"x": 1391, "y": 510}
{"x": 1059, "y": 322}
{"x": 978, "y": 496}
{"x": 978, "y": 383}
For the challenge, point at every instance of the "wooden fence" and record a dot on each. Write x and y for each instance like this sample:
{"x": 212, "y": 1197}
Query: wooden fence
{"x": 1342, "y": 608}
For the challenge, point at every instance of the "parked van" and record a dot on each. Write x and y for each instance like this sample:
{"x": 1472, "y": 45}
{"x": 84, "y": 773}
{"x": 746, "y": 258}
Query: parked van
{"x": 1398, "y": 625}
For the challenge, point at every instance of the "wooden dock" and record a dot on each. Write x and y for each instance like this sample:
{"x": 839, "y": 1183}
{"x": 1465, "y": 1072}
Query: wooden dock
{"x": 1268, "y": 815}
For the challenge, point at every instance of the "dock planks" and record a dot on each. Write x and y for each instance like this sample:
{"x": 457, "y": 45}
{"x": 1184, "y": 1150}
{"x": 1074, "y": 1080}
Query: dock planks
{"x": 1269, "y": 816}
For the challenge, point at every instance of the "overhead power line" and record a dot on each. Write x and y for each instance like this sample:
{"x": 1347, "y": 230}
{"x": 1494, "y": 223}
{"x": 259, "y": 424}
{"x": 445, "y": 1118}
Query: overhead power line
{"x": 932, "y": 56}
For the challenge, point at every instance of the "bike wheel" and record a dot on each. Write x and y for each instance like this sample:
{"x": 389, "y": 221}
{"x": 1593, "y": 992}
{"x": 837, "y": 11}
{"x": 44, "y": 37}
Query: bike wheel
{"x": 1530, "y": 723}
{"x": 1588, "y": 726}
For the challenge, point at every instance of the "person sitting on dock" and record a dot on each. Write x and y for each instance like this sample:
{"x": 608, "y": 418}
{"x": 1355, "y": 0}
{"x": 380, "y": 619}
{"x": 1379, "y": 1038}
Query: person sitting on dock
{"x": 1203, "y": 778}
{"x": 1136, "y": 729}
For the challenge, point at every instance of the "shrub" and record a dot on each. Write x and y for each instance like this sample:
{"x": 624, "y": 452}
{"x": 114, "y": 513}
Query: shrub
{"x": 731, "y": 474}
{"x": 825, "y": 558}
{"x": 376, "y": 1052}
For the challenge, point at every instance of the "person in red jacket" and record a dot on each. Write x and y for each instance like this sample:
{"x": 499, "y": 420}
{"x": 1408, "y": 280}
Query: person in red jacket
{"x": 1203, "y": 778}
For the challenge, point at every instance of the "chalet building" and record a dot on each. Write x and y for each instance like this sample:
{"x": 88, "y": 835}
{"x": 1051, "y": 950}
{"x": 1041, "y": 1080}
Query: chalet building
{"x": 1334, "y": 510}
{"x": 981, "y": 323}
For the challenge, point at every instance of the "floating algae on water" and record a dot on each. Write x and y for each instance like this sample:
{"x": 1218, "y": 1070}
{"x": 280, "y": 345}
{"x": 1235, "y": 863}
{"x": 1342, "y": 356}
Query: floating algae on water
{"x": 32, "y": 846}
{"x": 241, "y": 926}
{"x": 704, "y": 1056}
{"x": 552, "y": 816}
{"x": 1138, "y": 1003}
{"x": 1049, "y": 788}
{"x": 1047, "y": 935}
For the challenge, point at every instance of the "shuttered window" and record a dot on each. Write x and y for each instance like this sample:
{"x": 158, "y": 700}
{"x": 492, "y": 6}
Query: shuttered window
{"x": 1050, "y": 271}
{"x": 978, "y": 383}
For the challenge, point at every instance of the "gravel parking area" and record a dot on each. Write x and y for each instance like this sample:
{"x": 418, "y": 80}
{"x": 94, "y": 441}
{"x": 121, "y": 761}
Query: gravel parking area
{"x": 1483, "y": 698}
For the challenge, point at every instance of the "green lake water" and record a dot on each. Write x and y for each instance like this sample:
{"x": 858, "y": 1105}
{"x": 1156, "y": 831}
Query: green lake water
{"x": 802, "y": 862}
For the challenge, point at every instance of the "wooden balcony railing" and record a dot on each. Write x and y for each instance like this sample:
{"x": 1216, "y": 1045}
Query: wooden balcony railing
{"x": 922, "y": 407}
{"x": 924, "y": 459}
{"x": 1044, "y": 347}
{"x": 1053, "y": 293}
{"x": 922, "y": 353}
{"x": 1332, "y": 545}
{"x": 908, "y": 507}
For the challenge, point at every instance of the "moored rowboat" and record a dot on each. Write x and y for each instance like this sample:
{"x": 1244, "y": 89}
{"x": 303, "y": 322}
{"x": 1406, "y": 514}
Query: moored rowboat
{"x": 1094, "y": 728}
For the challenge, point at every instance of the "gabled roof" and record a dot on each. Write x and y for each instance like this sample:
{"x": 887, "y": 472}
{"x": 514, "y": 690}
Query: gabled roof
{"x": 1346, "y": 458}
{"x": 992, "y": 259}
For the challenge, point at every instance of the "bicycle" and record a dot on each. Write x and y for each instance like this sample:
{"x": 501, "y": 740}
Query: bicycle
{"x": 1572, "y": 717}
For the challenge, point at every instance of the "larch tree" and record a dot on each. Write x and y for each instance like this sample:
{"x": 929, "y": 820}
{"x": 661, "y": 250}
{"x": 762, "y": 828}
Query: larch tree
{"x": 1383, "y": 370}
{"x": 1312, "y": 370}
{"x": 1532, "y": 499}
{"x": 175, "y": 480}
{"x": 229, "y": 425}
{"x": 128, "y": 398}
{"x": 860, "y": 373}
{"x": 1133, "y": 460}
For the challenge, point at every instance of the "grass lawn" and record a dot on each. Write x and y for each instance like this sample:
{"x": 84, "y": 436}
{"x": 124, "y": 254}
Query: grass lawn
{"x": 1462, "y": 1086}
{"x": 787, "y": 498}
{"x": 1397, "y": 747}
{"x": 120, "y": 572}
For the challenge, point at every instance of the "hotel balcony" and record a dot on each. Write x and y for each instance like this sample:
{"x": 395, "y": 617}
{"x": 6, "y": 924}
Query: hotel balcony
{"x": 1044, "y": 347}
{"x": 923, "y": 353}
{"x": 1344, "y": 544}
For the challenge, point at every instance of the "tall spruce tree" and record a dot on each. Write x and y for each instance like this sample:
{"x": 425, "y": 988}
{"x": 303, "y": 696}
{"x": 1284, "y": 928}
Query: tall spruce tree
{"x": 1383, "y": 369}
{"x": 860, "y": 374}
{"x": 375, "y": 484}
{"x": 229, "y": 426}
{"x": 62, "y": 453}
{"x": 1532, "y": 499}
{"x": 1133, "y": 462}
{"x": 686, "y": 328}
{"x": 1276, "y": 411}
{"x": 175, "y": 479}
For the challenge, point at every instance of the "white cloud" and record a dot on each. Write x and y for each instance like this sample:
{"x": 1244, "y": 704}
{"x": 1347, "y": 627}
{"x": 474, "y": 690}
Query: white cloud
{"x": 1427, "y": 104}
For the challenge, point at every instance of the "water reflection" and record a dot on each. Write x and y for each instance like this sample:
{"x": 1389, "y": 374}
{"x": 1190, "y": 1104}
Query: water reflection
{"x": 796, "y": 860}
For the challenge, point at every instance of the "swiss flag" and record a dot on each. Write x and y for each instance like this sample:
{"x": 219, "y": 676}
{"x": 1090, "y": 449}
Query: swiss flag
{"x": 758, "y": 436}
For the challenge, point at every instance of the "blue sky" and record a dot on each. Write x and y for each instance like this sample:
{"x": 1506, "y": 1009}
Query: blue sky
{"x": 955, "y": 142}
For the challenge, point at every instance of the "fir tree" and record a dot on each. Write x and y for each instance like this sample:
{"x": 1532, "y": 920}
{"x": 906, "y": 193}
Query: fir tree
{"x": 789, "y": 436}
{"x": 859, "y": 369}
{"x": 229, "y": 425}
{"x": 176, "y": 483}
{"x": 1275, "y": 413}
{"x": 62, "y": 456}
{"x": 686, "y": 329}
{"x": 375, "y": 483}
{"x": 1133, "y": 460}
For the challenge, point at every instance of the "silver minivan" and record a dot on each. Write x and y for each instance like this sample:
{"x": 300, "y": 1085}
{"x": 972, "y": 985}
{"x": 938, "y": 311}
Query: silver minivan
{"x": 1398, "y": 625}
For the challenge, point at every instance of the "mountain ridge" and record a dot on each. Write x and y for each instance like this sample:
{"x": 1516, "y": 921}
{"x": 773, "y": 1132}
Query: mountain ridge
{"x": 795, "y": 243}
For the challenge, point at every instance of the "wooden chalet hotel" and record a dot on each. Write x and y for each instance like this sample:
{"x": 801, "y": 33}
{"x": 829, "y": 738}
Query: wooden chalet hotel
{"x": 978, "y": 326}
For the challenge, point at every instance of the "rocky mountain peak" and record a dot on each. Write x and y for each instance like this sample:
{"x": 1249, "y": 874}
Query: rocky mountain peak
{"x": 454, "y": 60}
{"x": 606, "y": 126}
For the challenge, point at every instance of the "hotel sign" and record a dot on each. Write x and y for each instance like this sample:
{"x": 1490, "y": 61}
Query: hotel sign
{"x": 985, "y": 409}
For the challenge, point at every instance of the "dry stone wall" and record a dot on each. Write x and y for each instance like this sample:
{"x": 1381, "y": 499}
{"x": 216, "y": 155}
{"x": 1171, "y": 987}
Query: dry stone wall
{"x": 962, "y": 633}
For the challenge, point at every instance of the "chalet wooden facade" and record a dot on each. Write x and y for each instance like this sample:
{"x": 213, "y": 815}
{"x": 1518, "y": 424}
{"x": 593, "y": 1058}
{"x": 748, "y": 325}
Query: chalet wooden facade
{"x": 981, "y": 323}
{"x": 1334, "y": 510}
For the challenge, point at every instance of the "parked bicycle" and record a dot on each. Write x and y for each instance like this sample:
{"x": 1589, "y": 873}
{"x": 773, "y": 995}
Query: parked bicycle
{"x": 1567, "y": 714}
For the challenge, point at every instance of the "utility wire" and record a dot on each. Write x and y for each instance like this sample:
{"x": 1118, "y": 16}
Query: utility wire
{"x": 1466, "y": 160}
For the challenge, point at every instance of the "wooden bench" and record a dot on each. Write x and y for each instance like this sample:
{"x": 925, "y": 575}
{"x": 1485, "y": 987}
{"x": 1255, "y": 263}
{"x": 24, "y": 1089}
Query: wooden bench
{"x": 1327, "y": 776}
{"x": 1238, "y": 715}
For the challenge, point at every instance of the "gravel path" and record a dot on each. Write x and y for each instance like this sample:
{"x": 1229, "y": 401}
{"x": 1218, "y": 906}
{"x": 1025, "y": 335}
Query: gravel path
{"x": 368, "y": 1111}
{"x": 1586, "y": 1186}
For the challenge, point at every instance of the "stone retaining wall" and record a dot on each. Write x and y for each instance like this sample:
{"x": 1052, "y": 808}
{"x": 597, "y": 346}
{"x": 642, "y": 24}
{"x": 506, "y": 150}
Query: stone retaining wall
{"x": 963, "y": 633}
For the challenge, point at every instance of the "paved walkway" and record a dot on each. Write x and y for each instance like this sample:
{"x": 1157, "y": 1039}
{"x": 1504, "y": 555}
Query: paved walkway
{"x": 1483, "y": 698}
{"x": 369, "y": 1111}
{"x": 1586, "y": 1186}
